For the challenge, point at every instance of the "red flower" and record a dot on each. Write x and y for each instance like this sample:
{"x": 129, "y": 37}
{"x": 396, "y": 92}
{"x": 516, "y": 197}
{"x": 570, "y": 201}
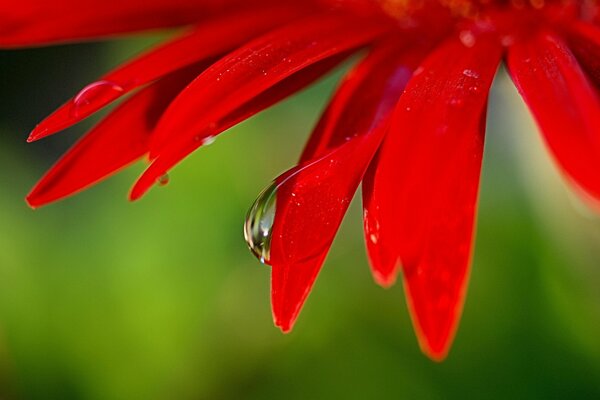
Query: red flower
{"x": 408, "y": 122}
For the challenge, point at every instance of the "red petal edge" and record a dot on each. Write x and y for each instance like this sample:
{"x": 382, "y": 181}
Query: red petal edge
{"x": 120, "y": 139}
{"x": 312, "y": 199}
{"x": 205, "y": 42}
{"x": 255, "y": 71}
{"x": 564, "y": 103}
{"x": 421, "y": 190}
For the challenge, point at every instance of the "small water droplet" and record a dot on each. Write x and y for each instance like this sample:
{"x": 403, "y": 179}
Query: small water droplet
{"x": 208, "y": 140}
{"x": 456, "y": 102}
{"x": 471, "y": 74}
{"x": 95, "y": 94}
{"x": 373, "y": 238}
{"x": 259, "y": 224}
{"x": 163, "y": 180}
{"x": 467, "y": 38}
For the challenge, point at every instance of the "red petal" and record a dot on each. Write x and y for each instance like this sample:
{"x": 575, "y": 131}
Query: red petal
{"x": 205, "y": 42}
{"x": 312, "y": 199}
{"x": 254, "y": 68}
{"x": 120, "y": 139}
{"x": 35, "y": 22}
{"x": 247, "y": 81}
{"x": 564, "y": 103}
{"x": 167, "y": 160}
{"x": 584, "y": 41}
{"x": 421, "y": 191}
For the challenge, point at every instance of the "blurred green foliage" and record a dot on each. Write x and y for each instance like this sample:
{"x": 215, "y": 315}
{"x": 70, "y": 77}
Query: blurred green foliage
{"x": 103, "y": 299}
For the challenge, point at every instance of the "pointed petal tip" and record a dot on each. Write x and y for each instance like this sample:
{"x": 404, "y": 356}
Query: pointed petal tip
{"x": 140, "y": 188}
{"x": 284, "y": 324}
{"x": 386, "y": 281}
{"x": 38, "y": 133}
{"x": 437, "y": 355}
{"x": 31, "y": 202}
{"x": 134, "y": 195}
{"x": 435, "y": 343}
{"x": 435, "y": 347}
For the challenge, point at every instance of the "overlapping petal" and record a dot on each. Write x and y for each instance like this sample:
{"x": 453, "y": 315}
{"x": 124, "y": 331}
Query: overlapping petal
{"x": 283, "y": 89}
{"x": 311, "y": 199}
{"x": 246, "y": 74}
{"x": 421, "y": 191}
{"x": 584, "y": 42}
{"x": 257, "y": 66}
{"x": 207, "y": 41}
{"x": 120, "y": 139}
{"x": 564, "y": 103}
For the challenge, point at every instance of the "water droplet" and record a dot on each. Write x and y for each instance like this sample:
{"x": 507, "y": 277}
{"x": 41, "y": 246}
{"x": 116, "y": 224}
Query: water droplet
{"x": 259, "y": 224}
{"x": 467, "y": 38}
{"x": 471, "y": 74}
{"x": 94, "y": 96}
{"x": 208, "y": 140}
{"x": 456, "y": 102}
{"x": 163, "y": 180}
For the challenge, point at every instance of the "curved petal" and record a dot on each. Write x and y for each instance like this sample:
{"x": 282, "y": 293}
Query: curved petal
{"x": 207, "y": 41}
{"x": 254, "y": 68}
{"x": 40, "y": 22}
{"x": 247, "y": 81}
{"x": 120, "y": 139}
{"x": 421, "y": 190}
{"x": 296, "y": 82}
{"x": 564, "y": 103}
{"x": 312, "y": 199}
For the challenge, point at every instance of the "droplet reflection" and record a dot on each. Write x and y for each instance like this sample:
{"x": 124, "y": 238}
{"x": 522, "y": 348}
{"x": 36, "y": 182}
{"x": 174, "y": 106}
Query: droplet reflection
{"x": 259, "y": 224}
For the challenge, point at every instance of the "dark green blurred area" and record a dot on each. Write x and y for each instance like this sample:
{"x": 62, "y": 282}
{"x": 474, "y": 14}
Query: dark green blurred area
{"x": 104, "y": 299}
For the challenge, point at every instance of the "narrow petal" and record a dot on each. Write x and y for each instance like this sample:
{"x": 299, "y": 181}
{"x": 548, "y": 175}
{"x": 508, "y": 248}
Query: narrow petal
{"x": 312, "y": 199}
{"x": 120, "y": 139}
{"x": 205, "y": 42}
{"x": 247, "y": 81}
{"x": 40, "y": 22}
{"x": 256, "y": 67}
{"x": 564, "y": 103}
{"x": 422, "y": 188}
{"x": 296, "y": 82}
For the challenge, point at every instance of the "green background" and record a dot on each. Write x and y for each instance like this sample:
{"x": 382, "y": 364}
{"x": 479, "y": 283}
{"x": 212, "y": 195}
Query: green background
{"x": 160, "y": 299}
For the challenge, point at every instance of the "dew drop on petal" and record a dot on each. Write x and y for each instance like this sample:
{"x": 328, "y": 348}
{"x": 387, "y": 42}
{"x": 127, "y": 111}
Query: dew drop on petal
{"x": 94, "y": 96}
{"x": 259, "y": 224}
{"x": 471, "y": 74}
{"x": 208, "y": 140}
{"x": 467, "y": 38}
{"x": 163, "y": 180}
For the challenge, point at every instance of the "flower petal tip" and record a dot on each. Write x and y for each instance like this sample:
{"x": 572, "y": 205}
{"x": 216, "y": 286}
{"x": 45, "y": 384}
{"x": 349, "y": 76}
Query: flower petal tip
{"x": 38, "y": 133}
{"x": 285, "y": 323}
{"x": 386, "y": 281}
{"x": 140, "y": 188}
{"x": 437, "y": 356}
{"x": 435, "y": 344}
{"x": 285, "y": 328}
{"x": 31, "y": 202}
